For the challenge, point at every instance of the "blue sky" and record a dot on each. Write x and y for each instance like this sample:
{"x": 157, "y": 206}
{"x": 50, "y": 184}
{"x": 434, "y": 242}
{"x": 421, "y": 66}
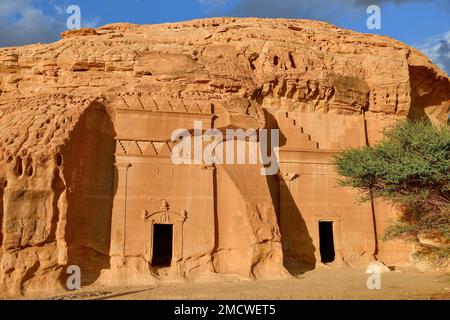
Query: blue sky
{"x": 424, "y": 24}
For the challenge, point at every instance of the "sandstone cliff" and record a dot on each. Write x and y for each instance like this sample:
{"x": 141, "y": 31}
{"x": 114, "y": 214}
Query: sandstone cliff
{"x": 246, "y": 69}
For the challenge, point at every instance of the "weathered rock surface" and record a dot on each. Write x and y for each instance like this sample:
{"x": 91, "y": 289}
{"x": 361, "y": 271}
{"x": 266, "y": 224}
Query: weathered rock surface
{"x": 241, "y": 71}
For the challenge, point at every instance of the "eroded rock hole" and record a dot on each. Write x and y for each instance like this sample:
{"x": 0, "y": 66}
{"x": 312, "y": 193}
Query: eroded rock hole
{"x": 19, "y": 166}
{"x": 326, "y": 239}
{"x": 276, "y": 60}
{"x": 29, "y": 167}
{"x": 59, "y": 160}
{"x": 291, "y": 59}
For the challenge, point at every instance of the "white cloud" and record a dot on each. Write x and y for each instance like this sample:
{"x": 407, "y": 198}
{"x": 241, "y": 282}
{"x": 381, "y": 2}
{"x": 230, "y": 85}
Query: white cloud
{"x": 59, "y": 10}
{"x": 397, "y": 2}
{"x": 21, "y": 23}
{"x": 312, "y": 9}
{"x": 91, "y": 23}
{"x": 210, "y": 5}
{"x": 438, "y": 50}
{"x": 307, "y": 9}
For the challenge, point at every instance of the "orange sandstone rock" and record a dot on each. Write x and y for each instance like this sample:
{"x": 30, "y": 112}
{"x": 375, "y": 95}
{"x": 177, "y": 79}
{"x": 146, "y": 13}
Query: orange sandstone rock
{"x": 85, "y": 171}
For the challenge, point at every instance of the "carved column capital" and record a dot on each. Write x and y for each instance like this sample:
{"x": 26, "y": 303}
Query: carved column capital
{"x": 288, "y": 176}
{"x": 122, "y": 165}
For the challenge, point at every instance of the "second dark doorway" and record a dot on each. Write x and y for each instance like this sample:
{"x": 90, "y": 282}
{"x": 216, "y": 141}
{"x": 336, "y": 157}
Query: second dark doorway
{"x": 326, "y": 237}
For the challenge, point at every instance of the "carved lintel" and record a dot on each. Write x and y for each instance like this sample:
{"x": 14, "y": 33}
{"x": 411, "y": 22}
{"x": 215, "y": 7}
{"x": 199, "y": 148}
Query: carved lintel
{"x": 164, "y": 214}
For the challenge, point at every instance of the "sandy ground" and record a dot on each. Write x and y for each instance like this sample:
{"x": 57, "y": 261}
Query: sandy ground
{"x": 321, "y": 283}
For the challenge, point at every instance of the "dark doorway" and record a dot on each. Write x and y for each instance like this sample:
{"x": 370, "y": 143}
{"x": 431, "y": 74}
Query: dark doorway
{"x": 162, "y": 245}
{"x": 326, "y": 241}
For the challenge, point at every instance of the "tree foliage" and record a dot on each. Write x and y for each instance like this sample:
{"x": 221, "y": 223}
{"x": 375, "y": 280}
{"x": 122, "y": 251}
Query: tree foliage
{"x": 410, "y": 167}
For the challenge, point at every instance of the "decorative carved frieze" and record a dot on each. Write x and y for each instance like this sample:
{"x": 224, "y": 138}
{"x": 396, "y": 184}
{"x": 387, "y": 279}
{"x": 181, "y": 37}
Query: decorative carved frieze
{"x": 156, "y": 103}
{"x": 144, "y": 148}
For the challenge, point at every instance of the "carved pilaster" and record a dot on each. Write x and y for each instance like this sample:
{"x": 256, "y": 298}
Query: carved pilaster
{"x": 119, "y": 212}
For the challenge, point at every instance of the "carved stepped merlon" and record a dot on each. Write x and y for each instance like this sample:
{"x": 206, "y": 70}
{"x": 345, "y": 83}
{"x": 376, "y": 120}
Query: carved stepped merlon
{"x": 332, "y": 131}
{"x": 150, "y": 102}
{"x": 133, "y": 147}
{"x": 295, "y": 137}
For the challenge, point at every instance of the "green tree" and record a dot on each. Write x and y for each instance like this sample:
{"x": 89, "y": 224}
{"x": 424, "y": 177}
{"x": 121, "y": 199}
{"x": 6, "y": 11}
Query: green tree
{"x": 410, "y": 167}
